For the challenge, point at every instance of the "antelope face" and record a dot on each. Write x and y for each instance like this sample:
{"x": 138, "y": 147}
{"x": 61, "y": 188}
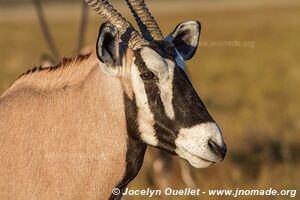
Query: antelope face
{"x": 164, "y": 110}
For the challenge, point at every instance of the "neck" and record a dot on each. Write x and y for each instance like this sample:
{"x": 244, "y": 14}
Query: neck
{"x": 135, "y": 147}
{"x": 134, "y": 160}
{"x": 98, "y": 100}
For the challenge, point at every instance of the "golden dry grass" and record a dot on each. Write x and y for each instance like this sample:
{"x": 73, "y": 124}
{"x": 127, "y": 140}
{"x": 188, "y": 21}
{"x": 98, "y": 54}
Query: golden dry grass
{"x": 253, "y": 93}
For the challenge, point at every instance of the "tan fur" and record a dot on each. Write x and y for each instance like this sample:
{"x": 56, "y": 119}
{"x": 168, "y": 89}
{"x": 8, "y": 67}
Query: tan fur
{"x": 62, "y": 134}
{"x": 125, "y": 73}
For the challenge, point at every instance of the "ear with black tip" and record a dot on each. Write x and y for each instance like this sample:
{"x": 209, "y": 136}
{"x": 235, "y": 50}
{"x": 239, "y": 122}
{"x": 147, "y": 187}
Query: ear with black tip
{"x": 108, "y": 45}
{"x": 185, "y": 37}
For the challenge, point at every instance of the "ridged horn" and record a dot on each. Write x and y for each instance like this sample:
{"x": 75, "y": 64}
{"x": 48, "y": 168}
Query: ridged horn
{"x": 146, "y": 22}
{"x": 125, "y": 28}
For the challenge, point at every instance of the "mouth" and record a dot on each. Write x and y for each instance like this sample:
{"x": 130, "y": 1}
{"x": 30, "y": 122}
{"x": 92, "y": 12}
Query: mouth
{"x": 195, "y": 161}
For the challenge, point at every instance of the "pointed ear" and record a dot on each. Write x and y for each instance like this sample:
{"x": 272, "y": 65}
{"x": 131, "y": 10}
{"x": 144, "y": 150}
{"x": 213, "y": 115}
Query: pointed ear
{"x": 108, "y": 47}
{"x": 185, "y": 37}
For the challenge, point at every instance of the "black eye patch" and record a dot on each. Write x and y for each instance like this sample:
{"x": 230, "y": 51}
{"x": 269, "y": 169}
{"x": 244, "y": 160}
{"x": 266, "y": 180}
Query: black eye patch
{"x": 147, "y": 75}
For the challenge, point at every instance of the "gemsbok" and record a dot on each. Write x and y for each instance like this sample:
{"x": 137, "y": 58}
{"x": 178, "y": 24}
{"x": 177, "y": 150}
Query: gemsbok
{"x": 79, "y": 129}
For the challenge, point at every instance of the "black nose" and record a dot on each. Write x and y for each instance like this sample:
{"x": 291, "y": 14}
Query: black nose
{"x": 218, "y": 150}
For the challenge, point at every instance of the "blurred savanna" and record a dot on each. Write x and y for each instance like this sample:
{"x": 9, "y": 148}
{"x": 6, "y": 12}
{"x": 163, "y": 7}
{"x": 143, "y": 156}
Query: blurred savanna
{"x": 246, "y": 70}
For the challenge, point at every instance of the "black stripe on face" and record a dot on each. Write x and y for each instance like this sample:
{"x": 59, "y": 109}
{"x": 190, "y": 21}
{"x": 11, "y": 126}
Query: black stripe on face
{"x": 188, "y": 107}
{"x": 189, "y": 110}
{"x": 135, "y": 147}
{"x": 164, "y": 127}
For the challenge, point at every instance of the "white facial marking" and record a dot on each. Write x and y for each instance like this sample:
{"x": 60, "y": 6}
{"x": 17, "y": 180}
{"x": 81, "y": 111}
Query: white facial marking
{"x": 192, "y": 144}
{"x": 164, "y": 69}
{"x": 145, "y": 118}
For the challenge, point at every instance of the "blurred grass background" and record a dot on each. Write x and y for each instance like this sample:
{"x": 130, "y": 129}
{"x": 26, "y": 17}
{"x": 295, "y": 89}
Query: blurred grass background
{"x": 251, "y": 91}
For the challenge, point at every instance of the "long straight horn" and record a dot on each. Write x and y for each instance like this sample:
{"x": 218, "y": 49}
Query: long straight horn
{"x": 125, "y": 28}
{"x": 146, "y": 22}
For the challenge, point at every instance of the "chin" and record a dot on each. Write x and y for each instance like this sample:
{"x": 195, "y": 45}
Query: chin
{"x": 199, "y": 163}
{"x": 195, "y": 161}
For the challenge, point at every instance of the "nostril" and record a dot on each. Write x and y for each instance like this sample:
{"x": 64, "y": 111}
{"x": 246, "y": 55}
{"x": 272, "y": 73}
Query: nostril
{"x": 217, "y": 149}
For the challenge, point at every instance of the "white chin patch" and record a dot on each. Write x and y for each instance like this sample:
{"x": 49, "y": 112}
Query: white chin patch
{"x": 192, "y": 144}
{"x": 200, "y": 163}
{"x": 193, "y": 160}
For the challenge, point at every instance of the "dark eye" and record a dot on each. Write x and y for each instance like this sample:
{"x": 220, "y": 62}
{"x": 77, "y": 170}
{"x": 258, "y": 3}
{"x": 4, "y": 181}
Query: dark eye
{"x": 147, "y": 75}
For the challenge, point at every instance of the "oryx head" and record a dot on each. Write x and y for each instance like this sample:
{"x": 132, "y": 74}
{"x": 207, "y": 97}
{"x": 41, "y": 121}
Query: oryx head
{"x": 162, "y": 107}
